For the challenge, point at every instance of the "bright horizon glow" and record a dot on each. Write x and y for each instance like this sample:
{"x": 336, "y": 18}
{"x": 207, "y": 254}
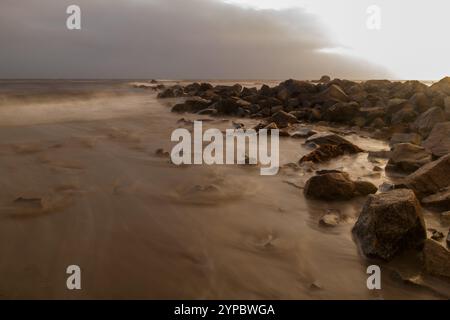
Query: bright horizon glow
{"x": 412, "y": 42}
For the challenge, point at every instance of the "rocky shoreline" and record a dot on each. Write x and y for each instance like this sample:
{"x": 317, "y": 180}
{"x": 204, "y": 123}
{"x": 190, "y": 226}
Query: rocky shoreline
{"x": 412, "y": 116}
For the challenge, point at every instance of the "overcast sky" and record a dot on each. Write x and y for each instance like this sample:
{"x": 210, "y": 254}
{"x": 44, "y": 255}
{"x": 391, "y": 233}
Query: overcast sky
{"x": 224, "y": 39}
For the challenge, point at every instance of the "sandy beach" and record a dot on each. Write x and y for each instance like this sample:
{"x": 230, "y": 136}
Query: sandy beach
{"x": 81, "y": 183}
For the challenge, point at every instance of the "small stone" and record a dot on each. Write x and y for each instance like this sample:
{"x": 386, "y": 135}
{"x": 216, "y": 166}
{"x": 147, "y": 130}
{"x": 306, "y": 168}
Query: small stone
{"x": 329, "y": 220}
{"x": 316, "y": 286}
{"x": 436, "y": 235}
{"x": 161, "y": 153}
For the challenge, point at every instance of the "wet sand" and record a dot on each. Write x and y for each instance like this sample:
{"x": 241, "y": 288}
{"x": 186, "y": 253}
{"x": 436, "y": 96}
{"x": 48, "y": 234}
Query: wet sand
{"x": 139, "y": 227}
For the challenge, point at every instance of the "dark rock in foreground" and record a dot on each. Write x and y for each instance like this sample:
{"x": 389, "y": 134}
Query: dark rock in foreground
{"x": 389, "y": 223}
{"x": 336, "y": 185}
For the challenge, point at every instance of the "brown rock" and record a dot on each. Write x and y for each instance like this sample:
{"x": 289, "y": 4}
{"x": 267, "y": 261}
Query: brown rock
{"x": 389, "y": 223}
{"x": 413, "y": 138}
{"x": 438, "y": 142}
{"x": 283, "y": 119}
{"x": 442, "y": 86}
{"x": 327, "y": 138}
{"x": 436, "y": 259}
{"x": 327, "y": 152}
{"x": 408, "y": 157}
{"x": 430, "y": 178}
{"x": 427, "y": 120}
{"x": 333, "y": 93}
{"x": 440, "y": 199}
{"x": 331, "y": 185}
{"x": 445, "y": 218}
{"x": 342, "y": 112}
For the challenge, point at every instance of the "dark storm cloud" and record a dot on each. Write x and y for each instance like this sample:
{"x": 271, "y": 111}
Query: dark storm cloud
{"x": 166, "y": 39}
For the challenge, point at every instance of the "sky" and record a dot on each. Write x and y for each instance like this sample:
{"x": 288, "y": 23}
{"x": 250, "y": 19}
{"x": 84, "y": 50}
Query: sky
{"x": 225, "y": 39}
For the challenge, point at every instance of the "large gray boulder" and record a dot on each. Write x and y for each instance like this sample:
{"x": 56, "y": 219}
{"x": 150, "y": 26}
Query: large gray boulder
{"x": 389, "y": 223}
{"x": 430, "y": 178}
{"x": 438, "y": 142}
{"x": 408, "y": 157}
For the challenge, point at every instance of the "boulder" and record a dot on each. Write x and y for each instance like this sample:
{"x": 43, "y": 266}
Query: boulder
{"x": 365, "y": 187}
{"x": 333, "y": 185}
{"x": 447, "y": 107}
{"x": 438, "y": 142}
{"x": 448, "y": 239}
{"x": 283, "y": 119}
{"x": 372, "y": 113}
{"x": 270, "y": 102}
{"x": 436, "y": 259}
{"x": 440, "y": 199}
{"x": 442, "y": 86}
{"x": 171, "y": 92}
{"x": 420, "y": 102}
{"x": 228, "y": 91}
{"x": 342, "y": 112}
{"x": 408, "y": 88}
{"x": 266, "y": 91}
{"x": 327, "y": 152}
{"x": 413, "y": 138}
{"x": 303, "y": 133}
{"x": 333, "y": 93}
{"x": 378, "y": 123}
{"x": 408, "y": 157}
{"x": 325, "y": 79}
{"x": 193, "y": 105}
{"x": 327, "y": 138}
{"x": 227, "y": 106}
{"x": 445, "y": 218}
{"x": 430, "y": 178}
{"x": 405, "y": 115}
{"x": 246, "y": 92}
{"x": 389, "y": 223}
{"x": 296, "y": 87}
{"x": 207, "y": 112}
{"x": 395, "y": 105}
{"x": 427, "y": 120}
